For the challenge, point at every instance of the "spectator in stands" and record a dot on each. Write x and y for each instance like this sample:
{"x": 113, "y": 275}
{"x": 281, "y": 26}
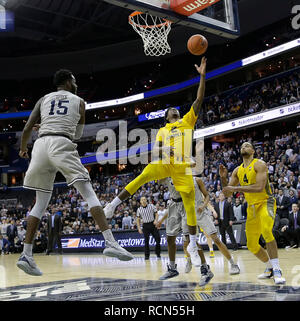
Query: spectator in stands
{"x": 279, "y": 223}
{"x": 20, "y": 242}
{"x": 292, "y": 230}
{"x": 116, "y": 228}
{"x": 118, "y": 219}
{"x": 283, "y": 204}
{"x": 161, "y": 212}
{"x": 293, "y": 199}
{"x": 91, "y": 229}
{"x": 4, "y": 226}
{"x": 40, "y": 243}
{"x": 225, "y": 220}
{"x": 12, "y": 233}
{"x": 166, "y": 194}
{"x": 54, "y": 229}
{"x": 126, "y": 221}
{"x": 288, "y": 189}
{"x": 237, "y": 210}
{"x": 5, "y": 244}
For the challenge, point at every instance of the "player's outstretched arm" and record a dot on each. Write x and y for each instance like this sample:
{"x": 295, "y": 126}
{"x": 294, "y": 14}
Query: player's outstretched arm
{"x": 234, "y": 180}
{"x": 34, "y": 118}
{"x": 201, "y": 89}
{"x": 205, "y": 194}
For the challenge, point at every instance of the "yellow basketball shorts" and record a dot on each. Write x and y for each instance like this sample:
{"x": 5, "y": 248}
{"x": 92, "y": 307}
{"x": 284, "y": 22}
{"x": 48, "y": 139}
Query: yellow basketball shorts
{"x": 260, "y": 221}
{"x": 182, "y": 178}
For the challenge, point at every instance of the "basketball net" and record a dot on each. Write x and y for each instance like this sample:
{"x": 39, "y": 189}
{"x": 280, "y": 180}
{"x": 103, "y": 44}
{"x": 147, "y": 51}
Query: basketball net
{"x": 154, "y": 32}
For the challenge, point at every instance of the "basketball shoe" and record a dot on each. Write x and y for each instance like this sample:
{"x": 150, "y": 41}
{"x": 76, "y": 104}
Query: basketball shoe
{"x": 27, "y": 264}
{"x": 206, "y": 274}
{"x": 113, "y": 249}
{"x": 171, "y": 273}
{"x": 277, "y": 275}
{"x": 268, "y": 273}
{"x": 234, "y": 269}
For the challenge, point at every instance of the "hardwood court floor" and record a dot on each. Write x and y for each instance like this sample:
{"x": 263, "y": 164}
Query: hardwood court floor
{"x": 98, "y": 278}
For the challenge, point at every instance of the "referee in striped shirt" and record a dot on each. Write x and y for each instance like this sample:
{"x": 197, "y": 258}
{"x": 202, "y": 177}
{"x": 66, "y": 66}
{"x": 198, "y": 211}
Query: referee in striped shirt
{"x": 148, "y": 214}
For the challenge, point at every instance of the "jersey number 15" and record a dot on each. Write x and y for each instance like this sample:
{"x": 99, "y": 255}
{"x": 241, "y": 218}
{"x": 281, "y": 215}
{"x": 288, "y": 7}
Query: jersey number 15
{"x": 62, "y": 110}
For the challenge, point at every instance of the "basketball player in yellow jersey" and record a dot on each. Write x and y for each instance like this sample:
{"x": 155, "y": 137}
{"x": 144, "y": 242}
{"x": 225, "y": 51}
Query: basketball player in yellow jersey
{"x": 252, "y": 176}
{"x": 173, "y": 145}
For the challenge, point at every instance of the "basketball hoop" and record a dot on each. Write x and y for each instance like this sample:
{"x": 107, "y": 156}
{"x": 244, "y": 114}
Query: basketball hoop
{"x": 154, "y": 32}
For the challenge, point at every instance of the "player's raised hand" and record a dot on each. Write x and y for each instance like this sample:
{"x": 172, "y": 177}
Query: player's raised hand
{"x": 223, "y": 171}
{"x": 202, "y": 68}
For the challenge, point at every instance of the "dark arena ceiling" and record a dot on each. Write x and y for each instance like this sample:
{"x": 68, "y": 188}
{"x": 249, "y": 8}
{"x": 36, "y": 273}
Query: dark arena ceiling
{"x": 101, "y": 31}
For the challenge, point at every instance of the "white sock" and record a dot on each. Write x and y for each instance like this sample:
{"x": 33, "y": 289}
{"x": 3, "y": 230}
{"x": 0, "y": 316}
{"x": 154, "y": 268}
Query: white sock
{"x": 108, "y": 236}
{"x": 275, "y": 264}
{"x": 193, "y": 239}
{"x": 211, "y": 249}
{"x": 268, "y": 265}
{"x": 27, "y": 249}
{"x": 231, "y": 261}
{"x": 172, "y": 265}
{"x": 115, "y": 202}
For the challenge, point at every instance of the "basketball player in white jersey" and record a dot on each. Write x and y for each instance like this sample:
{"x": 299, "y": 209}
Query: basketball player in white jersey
{"x": 62, "y": 117}
{"x": 204, "y": 222}
{"x": 176, "y": 223}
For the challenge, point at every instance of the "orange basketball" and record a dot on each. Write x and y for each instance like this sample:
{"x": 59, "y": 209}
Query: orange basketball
{"x": 197, "y": 45}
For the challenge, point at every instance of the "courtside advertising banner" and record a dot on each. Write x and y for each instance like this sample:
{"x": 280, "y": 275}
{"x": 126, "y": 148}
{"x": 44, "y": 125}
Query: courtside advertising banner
{"x": 131, "y": 240}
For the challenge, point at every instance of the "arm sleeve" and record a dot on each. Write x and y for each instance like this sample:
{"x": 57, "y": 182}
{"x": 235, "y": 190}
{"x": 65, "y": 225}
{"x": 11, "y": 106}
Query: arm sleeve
{"x": 190, "y": 118}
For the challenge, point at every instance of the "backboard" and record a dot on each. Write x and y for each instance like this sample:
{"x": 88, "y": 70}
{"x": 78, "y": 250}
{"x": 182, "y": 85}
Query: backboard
{"x": 221, "y": 18}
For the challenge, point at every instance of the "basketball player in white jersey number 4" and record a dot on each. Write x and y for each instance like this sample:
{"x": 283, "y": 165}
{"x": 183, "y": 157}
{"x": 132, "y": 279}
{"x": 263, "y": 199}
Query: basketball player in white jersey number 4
{"x": 62, "y": 116}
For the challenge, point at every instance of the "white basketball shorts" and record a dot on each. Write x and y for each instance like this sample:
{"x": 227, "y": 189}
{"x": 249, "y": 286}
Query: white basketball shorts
{"x": 52, "y": 154}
